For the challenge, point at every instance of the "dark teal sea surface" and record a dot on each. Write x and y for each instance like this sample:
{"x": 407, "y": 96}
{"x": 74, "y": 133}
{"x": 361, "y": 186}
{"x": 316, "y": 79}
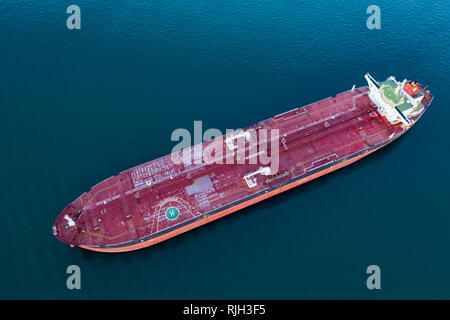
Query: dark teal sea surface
{"x": 78, "y": 106}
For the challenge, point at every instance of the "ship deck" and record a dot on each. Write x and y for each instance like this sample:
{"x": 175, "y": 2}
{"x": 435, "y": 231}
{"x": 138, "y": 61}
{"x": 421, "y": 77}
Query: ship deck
{"x": 159, "y": 195}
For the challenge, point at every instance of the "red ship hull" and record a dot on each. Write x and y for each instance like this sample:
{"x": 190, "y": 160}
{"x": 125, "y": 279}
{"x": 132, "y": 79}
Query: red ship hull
{"x": 161, "y": 199}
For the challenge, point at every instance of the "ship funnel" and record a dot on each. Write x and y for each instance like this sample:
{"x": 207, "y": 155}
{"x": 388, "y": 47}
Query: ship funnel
{"x": 387, "y": 99}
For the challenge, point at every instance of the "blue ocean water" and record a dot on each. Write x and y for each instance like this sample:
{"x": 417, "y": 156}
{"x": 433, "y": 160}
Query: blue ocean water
{"x": 81, "y": 105}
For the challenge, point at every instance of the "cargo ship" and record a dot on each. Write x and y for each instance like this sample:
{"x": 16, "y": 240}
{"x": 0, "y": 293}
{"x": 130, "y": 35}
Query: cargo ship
{"x": 163, "y": 198}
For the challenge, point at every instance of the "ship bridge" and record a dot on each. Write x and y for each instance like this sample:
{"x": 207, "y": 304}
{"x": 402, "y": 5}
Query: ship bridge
{"x": 398, "y": 102}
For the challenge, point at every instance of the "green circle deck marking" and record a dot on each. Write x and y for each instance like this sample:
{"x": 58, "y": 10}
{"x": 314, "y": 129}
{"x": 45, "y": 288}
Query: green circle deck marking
{"x": 172, "y": 213}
